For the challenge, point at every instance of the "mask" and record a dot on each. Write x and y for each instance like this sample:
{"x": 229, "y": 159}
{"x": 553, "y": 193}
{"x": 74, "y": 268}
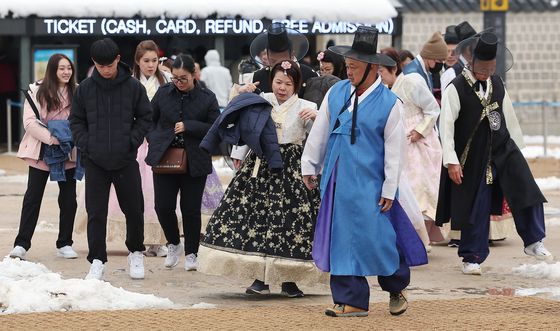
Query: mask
{"x": 437, "y": 68}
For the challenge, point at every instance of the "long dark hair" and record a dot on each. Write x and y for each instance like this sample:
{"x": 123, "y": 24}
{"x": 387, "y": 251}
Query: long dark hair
{"x": 47, "y": 95}
{"x": 142, "y": 48}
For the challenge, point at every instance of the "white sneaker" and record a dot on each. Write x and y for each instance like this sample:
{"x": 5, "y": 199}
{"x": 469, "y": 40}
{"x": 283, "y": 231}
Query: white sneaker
{"x": 538, "y": 251}
{"x": 174, "y": 252}
{"x": 96, "y": 270}
{"x": 191, "y": 262}
{"x": 136, "y": 265}
{"x": 66, "y": 252}
{"x": 161, "y": 251}
{"x": 428, "y": 248}
{"x": 18, "y": 252}
{"x": 471, "y": 268}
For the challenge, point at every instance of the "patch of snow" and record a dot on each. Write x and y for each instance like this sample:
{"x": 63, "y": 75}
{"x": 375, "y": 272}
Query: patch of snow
{"x": 203, "y": 305}
{"x": 533, "y": 152}
{"x": 30, "y": 287}
{"x": 529, "y": 140}
{"x": 551, "y": 211}
{"x": 370, "y": 11}
{"x": 45, "y": 226}
{"x": 14, "y": 179}
{"x": 555, "y": 221}
{"x": 553, "y": 291}
{"x": 541, "y": 270}
{"x": 548, "y": 183}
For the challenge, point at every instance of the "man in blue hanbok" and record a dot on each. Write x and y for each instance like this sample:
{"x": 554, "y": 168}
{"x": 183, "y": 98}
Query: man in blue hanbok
{"x": 357, "y": 143}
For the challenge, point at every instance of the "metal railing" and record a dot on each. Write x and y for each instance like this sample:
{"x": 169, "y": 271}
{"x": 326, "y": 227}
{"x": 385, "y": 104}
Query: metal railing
{"x": 9, "y": 105}
{"x": 526, "y": 110}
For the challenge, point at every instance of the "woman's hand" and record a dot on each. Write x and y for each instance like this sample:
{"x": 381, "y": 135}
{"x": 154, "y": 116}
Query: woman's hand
{"x": 308, "y": 114}
{"x": 455, "y": 173}
{"x": 237, "y": 163}
{"x": 251, "y": 87}
{"x": 310, "y": 182}
{"x": 179, "y": 127}
{"x": 414, "y": 136}
{"x": 54, "y": 141}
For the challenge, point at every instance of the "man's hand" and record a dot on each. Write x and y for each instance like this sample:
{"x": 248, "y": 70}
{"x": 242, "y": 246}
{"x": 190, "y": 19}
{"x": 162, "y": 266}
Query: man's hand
{"x": 455, "y": 173}
{"x": 310, "y": 181}
{"x": 179, "y": 127}
{"x": 237, "y": 163}
{"x": 414, "y": 136}
{"x": 251, "y": 87}
{"x": 386, "y": 203}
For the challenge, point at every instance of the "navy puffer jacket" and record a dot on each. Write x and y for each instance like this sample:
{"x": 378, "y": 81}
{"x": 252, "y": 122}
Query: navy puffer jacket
{"x": 246, "y": 121}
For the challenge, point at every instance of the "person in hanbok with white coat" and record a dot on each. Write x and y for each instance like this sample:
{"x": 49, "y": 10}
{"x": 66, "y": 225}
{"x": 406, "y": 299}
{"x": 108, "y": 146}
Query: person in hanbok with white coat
{"x": 423, "y": 157}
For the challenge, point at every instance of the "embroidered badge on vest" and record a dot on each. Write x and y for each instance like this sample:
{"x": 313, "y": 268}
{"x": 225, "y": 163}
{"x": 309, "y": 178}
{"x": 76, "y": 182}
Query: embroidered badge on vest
{"x": 495, "y": 120}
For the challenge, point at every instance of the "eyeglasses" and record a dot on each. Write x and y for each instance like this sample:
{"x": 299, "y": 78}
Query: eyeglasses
{"x": 179, "y": 80}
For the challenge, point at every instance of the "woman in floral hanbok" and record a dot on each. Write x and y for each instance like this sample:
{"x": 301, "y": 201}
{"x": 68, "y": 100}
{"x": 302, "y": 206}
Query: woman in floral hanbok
{"x": 263, "y": 228}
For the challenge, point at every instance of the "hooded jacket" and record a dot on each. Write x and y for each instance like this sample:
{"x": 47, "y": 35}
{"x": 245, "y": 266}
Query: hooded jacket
{"x": 110, "y": 118}
{"x": 216, "y": 77}
{"x": 246, "y": 121}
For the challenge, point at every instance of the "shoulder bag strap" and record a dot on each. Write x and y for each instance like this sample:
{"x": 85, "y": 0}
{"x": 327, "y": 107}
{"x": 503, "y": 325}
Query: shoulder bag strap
{"x": 31, "y": 103}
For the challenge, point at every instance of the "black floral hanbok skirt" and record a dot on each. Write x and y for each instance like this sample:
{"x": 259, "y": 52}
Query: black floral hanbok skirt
{"x": 263, "y": 227}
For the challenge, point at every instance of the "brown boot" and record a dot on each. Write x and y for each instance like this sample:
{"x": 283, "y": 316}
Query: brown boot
{"x": 345, "y": 311}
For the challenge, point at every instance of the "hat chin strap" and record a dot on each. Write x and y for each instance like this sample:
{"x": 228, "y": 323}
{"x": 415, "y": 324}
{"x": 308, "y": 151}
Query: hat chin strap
{"x": 355, "y": 109}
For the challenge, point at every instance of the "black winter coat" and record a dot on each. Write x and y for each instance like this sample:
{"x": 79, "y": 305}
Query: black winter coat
{"x": 246, "y": 121}
{"x": 199, "y": 108}
{"x": 110, "y": 118}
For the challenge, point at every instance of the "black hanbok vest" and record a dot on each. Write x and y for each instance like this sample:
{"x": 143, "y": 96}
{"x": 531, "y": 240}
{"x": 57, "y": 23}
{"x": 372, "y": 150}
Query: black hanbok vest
{"x": 490, "y": 147}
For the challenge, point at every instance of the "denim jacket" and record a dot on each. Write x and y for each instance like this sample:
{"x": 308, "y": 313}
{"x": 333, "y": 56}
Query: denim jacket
{"x": 56, "y": 155}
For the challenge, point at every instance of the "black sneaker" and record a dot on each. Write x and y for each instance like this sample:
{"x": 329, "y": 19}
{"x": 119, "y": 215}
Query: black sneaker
{"x": 453, "y": 243}
{"x": 258, "y": 287}
{"x": 291, "y": 290}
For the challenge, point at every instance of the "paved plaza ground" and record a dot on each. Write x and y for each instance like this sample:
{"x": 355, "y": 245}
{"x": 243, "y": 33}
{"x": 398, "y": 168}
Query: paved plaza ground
{"x": 440, "y": 296}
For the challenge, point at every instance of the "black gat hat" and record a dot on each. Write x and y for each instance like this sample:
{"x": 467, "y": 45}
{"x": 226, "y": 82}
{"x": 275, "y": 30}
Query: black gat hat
{"x": 278, "y": 38}
{"x": 364, "y": 48}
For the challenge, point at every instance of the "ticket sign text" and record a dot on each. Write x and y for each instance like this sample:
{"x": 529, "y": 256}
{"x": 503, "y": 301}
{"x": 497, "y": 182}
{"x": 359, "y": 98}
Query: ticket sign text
{"x": 123, "y": 26}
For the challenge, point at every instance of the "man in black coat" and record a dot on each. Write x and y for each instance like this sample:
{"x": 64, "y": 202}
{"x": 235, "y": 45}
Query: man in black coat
{"x": 110, "y": 116}
{"x": 280, "y": 46}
